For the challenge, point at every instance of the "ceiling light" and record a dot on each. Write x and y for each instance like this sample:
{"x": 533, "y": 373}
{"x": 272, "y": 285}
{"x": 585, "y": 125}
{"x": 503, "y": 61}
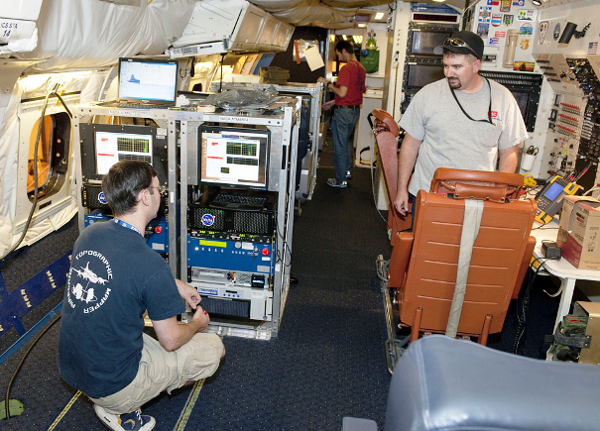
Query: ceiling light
{"x": 362, "y": 25}
{"x": 439, "y": 1}
{"x": 536, "y": 2}
{"x": 378, "y": 15}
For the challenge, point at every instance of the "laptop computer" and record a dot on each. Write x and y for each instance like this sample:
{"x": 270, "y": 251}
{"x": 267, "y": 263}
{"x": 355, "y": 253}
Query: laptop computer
{"x": 145, "y": 83}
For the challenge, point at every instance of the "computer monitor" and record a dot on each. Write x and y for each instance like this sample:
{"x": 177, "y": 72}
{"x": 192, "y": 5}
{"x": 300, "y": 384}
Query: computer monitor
{"x": 419, "y": 75}
{"x": 234, "y": 157}
{"x": 424, "y": 41}
{"x": 112, "y": 147}
{"x": 103, "y": 145}
{"x": 147, "y": 81}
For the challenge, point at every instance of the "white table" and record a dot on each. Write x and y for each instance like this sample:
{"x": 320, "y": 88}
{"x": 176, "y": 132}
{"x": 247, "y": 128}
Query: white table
{"x": 560, "y": 268}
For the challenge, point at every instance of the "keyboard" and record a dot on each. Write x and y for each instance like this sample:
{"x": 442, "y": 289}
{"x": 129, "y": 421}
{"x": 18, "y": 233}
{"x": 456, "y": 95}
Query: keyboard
{"x": 124, "y": 105}
{"x": 238, "y": 202}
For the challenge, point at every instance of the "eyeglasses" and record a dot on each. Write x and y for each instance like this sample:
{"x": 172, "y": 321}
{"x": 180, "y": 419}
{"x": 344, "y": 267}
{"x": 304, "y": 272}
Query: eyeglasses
{"x": 458, "y": 43}
{"x": 161, "y": 189}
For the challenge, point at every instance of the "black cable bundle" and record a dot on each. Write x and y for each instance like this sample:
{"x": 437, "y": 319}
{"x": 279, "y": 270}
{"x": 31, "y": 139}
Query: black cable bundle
{"x": 522, "y": 310}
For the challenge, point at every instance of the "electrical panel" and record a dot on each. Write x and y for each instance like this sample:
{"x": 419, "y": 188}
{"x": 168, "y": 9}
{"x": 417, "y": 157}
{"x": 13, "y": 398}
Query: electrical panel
{"x": 574, "y": 120}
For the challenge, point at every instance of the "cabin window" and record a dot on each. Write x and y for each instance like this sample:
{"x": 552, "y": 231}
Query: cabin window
{"x": 52, "y": 155}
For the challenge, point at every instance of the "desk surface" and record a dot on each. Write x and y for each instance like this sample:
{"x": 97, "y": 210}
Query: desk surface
{"x": 559, "y": 267}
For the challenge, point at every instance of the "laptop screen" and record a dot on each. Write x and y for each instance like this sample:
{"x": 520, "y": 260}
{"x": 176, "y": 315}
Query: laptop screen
{"x": 147, "y": 81}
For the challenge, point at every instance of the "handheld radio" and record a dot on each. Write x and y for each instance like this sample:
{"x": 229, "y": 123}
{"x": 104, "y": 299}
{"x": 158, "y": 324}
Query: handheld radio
{"x": 549, "y": 199}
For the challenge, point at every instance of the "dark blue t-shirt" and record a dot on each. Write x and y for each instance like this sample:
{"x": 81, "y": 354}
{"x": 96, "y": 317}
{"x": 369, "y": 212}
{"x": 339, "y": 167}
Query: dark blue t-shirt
{"x": 114, "y": 278}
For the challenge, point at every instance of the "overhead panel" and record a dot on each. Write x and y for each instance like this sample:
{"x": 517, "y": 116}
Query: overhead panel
{"x": 220, "y": 26}
{"x": 245, "y": 37}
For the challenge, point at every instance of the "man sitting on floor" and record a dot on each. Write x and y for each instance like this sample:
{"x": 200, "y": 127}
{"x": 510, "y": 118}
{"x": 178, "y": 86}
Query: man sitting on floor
{"x": 114, "y": 279}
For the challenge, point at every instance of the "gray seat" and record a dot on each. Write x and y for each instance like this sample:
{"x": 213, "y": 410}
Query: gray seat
{"x": 445, "y": 384}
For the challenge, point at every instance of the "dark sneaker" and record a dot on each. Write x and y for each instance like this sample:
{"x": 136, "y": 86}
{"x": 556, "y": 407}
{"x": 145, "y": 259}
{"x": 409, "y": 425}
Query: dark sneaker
{"x": 333, "y": 183}
{"x": 348, "y": 175}
{"x": 133, "y": 421}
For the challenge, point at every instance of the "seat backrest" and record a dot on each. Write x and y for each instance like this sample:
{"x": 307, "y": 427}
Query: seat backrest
{"x": 386, "y": 133}
{"x": 497, "y": 257}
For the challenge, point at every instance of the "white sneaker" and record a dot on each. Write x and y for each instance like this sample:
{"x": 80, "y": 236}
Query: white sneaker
{"x": 333, "y": 183}
{"x": 133, "y": 421}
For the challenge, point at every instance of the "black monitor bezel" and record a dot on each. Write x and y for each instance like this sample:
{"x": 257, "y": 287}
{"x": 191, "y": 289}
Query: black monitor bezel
{"x": 202, "y": 129}
{"x": 87, "y": 134}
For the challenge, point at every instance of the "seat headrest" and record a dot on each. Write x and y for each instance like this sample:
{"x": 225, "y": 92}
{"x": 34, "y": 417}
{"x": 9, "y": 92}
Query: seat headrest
{"x": 385, "y": 122}
{"x": 477, "y": 184}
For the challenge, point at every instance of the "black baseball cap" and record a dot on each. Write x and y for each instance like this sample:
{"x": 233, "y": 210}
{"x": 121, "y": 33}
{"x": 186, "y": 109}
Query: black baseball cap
{"x": 462, "y": 42}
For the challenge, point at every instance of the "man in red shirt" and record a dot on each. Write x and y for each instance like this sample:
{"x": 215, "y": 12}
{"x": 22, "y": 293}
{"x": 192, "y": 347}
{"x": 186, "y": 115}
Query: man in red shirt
{"x": 348, "y": 91}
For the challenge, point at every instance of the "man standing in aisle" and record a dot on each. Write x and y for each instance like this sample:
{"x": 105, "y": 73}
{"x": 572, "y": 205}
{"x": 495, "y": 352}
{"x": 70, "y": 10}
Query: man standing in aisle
{"x": 463, "y": 121}
{"x": 114, "y": 279}
{"x": 348, "y": 91}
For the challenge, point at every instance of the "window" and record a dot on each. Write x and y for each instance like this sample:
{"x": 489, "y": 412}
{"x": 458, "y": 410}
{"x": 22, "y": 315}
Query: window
{"x": 53, "y": 155}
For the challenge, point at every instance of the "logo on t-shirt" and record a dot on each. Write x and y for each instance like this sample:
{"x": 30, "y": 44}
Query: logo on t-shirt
{"x": 87, "y": 285}
{"x": 494, "y": 114}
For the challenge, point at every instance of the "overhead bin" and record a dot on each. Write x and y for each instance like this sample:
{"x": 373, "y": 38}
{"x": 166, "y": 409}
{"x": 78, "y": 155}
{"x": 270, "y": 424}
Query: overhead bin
{"x": 220, "y": 26}
{"x": 18, "y": 31}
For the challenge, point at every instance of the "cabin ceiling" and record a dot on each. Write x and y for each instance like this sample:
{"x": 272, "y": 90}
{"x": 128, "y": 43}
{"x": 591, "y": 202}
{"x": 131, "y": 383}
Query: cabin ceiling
{"x": 333, "y": 14}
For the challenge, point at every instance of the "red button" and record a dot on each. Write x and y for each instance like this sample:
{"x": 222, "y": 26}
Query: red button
{"x": 158, "y": 229}
{"x": 265, "y": 251}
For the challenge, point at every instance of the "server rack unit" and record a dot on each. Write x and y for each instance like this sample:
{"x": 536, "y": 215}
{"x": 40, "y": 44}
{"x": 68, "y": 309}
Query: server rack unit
{"x": 90, "y": 123}
{"x": 423, "y": 63}
{"x": 240, "y": 259}
{"x": 258, "y": 292}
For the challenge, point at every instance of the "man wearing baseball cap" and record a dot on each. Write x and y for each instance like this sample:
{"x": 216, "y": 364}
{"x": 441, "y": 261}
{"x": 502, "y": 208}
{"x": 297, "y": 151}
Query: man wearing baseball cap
{"x": 463, "y": 121}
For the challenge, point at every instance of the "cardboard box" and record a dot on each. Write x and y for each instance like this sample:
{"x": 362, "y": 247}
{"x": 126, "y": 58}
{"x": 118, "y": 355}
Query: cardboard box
{"x": 581, "y": 246}
{"x": 590, "y": 355}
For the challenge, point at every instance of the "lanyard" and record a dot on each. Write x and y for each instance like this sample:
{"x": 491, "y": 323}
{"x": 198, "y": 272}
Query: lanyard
{"x": 127, "y": 225}
{"x": 489, "y": 119}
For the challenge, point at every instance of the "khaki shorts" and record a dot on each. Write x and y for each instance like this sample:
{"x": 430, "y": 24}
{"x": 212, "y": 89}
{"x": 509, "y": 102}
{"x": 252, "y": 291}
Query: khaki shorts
{"x": 164, "y": 370}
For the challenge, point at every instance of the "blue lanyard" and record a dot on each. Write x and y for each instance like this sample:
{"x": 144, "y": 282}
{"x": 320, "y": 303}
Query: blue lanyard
{"x": 127, "y": 225}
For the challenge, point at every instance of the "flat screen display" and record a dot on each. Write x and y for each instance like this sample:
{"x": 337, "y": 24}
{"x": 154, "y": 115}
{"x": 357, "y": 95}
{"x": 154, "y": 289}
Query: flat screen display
{"x": 522, "y": 99}
{"x": 234, "y": 157}
{"x": 112, "y": 147}
{"x": 420, "y": 75}
{"x": 145, "y": 81}
{"x": 423, "y": 42}
{"x": 553, "y": 191}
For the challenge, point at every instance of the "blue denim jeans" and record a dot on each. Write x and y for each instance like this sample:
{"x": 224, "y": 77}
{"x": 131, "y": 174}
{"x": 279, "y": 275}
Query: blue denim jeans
{"x": 342, "y": 125}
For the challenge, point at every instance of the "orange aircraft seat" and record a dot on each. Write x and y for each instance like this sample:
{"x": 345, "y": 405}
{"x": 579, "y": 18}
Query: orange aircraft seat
{"x": 424, "y": 266}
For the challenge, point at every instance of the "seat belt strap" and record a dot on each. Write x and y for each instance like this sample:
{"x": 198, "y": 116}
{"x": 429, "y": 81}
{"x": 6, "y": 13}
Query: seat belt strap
{"x": 470, "y": 229}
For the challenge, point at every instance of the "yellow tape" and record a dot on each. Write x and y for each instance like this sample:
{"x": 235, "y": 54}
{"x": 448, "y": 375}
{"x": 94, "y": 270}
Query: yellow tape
{"x": 189, "y": 406}
{"x": 64, "y": 411}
